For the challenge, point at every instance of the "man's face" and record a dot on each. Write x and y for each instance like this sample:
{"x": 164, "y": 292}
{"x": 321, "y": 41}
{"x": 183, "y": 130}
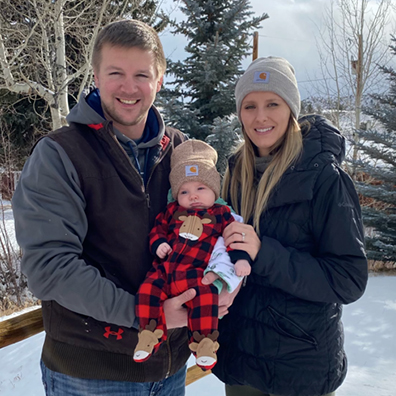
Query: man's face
{"x": 128, "y": 82}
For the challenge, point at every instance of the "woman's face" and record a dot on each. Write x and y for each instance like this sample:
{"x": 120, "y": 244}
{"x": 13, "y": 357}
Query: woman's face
{"x": 265, "y": 117}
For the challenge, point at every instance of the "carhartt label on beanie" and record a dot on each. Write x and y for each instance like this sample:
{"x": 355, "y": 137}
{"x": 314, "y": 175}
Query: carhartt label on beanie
{"x": 261, "y": 77}
{"x": 194, "y": 160}
{"x": 270, "y": 74}
{"x": 192, "y": 170}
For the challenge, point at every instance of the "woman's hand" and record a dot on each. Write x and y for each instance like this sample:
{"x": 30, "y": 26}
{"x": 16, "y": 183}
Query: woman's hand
{"x": 241, "y": 236}
{"x": 225, "y": 299}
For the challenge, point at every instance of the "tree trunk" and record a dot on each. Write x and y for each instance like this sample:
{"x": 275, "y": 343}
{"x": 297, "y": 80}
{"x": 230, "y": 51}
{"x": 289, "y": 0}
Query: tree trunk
{"x": 358, "y": 96}
{"x": 61, "y": 80}
{"x": 56, "y": 117}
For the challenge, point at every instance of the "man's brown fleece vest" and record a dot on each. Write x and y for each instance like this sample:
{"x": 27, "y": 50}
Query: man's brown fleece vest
{"x": 120, "y": 214}
{"x": 118, "y": 209}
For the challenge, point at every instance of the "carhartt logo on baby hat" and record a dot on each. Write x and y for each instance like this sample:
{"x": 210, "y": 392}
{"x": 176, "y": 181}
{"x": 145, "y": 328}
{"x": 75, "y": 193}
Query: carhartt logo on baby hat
{"x": 261, "y": 77}
{"x": 191, "y": 170}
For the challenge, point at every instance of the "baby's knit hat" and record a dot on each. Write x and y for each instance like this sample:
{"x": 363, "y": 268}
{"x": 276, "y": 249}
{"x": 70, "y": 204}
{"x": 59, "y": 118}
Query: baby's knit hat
{"x": 272, "y": 74}
{"x": 194, "y": 160}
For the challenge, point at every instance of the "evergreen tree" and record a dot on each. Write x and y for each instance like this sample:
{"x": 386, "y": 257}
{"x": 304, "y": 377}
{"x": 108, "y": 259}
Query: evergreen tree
{"x": 378, "y": 167}
{"x": 218, "y": 33}
{"x": 224, "y": 138}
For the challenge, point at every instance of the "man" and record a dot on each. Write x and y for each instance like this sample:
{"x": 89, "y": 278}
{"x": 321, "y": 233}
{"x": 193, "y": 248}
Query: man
{"x": 83, "y": 208}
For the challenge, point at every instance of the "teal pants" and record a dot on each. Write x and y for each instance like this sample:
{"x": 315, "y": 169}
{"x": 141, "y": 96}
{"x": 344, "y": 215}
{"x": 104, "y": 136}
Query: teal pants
{"x": 243, "y": 390}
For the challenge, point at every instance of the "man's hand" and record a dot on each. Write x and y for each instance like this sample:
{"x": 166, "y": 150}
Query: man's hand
{"x": 163, "y": 250}
{"x": 225, "y": 299}
{"x": 175, "y": 314}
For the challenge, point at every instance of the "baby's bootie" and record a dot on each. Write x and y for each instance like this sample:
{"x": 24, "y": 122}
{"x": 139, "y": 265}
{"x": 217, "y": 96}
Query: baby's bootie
{"x": 205, "y": 349}
{"x": 148, "y": 340}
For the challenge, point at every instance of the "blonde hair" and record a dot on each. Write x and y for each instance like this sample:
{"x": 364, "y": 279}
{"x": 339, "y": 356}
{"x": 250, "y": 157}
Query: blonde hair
{"x": 254, "y": 200}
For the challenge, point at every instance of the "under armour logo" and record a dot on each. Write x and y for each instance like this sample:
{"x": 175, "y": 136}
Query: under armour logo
{"x": 114, "y": 333}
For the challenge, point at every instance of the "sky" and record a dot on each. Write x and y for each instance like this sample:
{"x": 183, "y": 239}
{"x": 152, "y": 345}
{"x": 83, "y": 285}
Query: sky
{"x": 289, "y": 32}
{"x": 370, "y": 345}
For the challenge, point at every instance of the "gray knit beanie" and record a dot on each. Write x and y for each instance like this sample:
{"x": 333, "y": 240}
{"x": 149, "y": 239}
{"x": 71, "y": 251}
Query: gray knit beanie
{"x": 194, "y": 160}
{"x": 270, "y": 74}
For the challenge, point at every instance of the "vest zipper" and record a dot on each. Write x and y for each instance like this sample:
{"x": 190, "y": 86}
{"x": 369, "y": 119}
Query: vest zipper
{"x": 148, "y": 200}
{"x": 151, "y": 173}
{"x": 157, "y": 162}
{"x": 114, "y": 137}
{"x": 169, "y": 358}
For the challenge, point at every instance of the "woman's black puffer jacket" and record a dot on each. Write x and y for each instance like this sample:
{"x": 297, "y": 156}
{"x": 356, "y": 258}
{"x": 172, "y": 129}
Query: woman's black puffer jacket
{"x": 283, "y": 334}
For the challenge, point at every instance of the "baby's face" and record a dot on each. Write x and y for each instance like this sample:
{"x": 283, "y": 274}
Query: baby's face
{"x": 195, "y": 195}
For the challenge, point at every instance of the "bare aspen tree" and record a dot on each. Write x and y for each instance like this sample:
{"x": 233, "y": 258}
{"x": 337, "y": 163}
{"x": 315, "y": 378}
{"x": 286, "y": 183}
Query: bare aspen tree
{"x": 352, "y": 44}
{"x": 46, "y": 45}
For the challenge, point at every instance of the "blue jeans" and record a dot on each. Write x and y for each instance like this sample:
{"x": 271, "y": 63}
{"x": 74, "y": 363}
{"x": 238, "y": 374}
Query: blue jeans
{"x": 56, "y": 384}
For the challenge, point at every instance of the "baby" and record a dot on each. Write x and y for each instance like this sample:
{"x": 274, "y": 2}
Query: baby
{"x": 183, "y": 239}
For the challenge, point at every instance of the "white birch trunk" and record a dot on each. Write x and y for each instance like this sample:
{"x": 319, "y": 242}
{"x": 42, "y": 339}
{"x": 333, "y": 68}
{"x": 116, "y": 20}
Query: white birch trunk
{"x": 61, "y": 66}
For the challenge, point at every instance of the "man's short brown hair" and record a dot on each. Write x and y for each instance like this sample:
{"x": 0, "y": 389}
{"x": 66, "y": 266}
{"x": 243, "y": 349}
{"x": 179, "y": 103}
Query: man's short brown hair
{"x": 128, "y": 34}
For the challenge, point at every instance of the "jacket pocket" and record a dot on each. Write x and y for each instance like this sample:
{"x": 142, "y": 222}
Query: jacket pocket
{"x": 290, "y": 329}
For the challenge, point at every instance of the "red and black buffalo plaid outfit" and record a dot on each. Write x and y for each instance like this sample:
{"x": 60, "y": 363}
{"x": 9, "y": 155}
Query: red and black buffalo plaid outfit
{"x": 184, "y": 267}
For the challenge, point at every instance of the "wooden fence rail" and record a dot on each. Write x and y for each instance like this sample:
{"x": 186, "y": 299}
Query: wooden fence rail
{"x": 30, "y": 323}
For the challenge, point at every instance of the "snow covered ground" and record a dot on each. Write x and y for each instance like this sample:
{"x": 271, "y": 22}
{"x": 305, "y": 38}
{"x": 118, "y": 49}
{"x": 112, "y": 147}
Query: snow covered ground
{"x": 369, "y": 323}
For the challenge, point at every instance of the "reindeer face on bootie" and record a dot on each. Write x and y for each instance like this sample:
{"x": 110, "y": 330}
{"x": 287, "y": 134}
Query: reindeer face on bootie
{"x": 148, "y": 339}
{"x": 205, "y": 349}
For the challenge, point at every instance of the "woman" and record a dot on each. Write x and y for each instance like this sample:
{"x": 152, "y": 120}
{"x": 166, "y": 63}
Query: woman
{"x": 283, "y": 335}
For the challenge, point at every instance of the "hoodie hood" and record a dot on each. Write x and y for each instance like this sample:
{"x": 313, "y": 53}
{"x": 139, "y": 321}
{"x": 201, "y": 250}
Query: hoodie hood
{"x": 87, "y": 114}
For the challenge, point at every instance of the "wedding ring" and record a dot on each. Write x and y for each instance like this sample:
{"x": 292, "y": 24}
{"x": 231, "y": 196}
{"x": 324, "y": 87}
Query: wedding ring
{"x": 243, "y": 236}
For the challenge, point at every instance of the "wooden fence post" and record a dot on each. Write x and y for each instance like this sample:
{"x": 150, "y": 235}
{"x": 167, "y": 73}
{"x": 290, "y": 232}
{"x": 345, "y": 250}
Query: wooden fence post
{"x": 255, "y": 45}
{"x": 22, "y": 326}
